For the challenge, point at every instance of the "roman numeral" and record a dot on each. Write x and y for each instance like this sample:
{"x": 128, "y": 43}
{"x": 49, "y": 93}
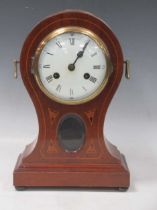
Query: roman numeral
{"x": 72, "y": 41}
{"x": 71, "y": 33}
{"x": 71, "y": 92}
{"x": 49, "y": 78}
{"x": 84, "y": 88}
{"x": 49, "y": 53}
{"x": 58, "y": 44}
{"x": 58, "y": 88}
{"x": 93, "y": 79}
{"x": 92, "y": 55}
{"x": 96, "y": 67}
{"x": 46, "y": 66}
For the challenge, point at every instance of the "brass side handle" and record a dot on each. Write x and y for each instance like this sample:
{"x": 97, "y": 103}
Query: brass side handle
{"x": 127, "y": 69}
{"x": 16, "y": 66}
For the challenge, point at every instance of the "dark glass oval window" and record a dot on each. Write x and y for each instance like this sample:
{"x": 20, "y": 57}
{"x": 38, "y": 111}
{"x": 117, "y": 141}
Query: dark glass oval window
{"x": 71, "y": 133}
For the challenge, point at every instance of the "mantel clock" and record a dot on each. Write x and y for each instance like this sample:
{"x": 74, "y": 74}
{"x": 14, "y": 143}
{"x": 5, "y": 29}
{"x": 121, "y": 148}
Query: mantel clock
{"x": 71, "y": 65}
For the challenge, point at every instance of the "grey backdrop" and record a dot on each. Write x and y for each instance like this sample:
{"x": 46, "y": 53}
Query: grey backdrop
{"x": 134, "y": 23}
{"x": 132, "y": 117}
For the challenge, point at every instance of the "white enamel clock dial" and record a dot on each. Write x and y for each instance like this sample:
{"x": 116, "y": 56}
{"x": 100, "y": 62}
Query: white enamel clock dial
{"x": 72, "y": 66}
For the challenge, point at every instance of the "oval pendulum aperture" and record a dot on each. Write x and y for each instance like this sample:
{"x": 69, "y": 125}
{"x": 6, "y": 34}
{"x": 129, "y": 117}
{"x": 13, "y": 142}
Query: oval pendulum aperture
{"x": 71, "y": 133}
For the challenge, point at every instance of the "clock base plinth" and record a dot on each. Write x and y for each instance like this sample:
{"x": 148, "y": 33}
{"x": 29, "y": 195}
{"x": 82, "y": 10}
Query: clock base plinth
{"x": 109, "y": 175}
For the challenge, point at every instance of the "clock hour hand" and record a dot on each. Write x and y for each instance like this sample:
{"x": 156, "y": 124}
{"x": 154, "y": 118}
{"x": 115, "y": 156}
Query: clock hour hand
{"x": 71, "y": 66}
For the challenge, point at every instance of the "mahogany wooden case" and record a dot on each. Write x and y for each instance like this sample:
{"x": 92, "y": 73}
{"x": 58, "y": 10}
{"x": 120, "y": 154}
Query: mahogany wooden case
{"x": 44, "y": 162}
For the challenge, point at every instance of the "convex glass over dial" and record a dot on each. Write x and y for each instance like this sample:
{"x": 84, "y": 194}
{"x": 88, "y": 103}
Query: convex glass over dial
{"x": 72, "y": 65}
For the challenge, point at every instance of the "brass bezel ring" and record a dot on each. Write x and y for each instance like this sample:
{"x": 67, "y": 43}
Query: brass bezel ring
{"x": 99, "y": 42}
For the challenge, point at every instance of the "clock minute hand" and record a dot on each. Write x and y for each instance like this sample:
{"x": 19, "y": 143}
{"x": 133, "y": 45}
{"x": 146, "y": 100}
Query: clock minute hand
{"x": 71, "y": 67}
{"x": 80, "y": 53}
{"x": 85, "y": 45}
